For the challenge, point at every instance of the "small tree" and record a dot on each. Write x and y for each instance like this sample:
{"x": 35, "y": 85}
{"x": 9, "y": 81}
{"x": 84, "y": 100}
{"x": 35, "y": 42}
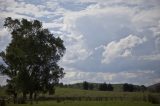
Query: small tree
{"x": 85, "y": 85}
{"x": 103, "y": 87}
{"x": 109, "y": 87}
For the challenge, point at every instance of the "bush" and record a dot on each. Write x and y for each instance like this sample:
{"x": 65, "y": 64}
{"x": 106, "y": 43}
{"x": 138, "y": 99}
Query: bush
{"x": 155, "y": 99}
{"x": 2, "y": 102}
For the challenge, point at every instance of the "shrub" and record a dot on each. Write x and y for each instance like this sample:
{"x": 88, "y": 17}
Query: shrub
{"x": 155, "y": 99}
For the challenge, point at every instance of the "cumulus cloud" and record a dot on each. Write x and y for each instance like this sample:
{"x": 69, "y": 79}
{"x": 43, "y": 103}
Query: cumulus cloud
{"x": 52, "y": 25}
{"x": 121, "y": 48}
{"x": 81, "y": 25}
{"x": 146, "y": 18}
{"x": 76, "y": 50}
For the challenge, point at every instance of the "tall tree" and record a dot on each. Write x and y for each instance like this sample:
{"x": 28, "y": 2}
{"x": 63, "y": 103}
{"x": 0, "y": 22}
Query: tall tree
{"x": 31, "y": 59}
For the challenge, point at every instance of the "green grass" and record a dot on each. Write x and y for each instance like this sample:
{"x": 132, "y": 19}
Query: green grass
{"x": 133, "y": 98}
{"x": 85, "y": 103}
{"x": 93, "y": 93}
{"x": 124, "y": 96}
{"x": 2, "y": 91}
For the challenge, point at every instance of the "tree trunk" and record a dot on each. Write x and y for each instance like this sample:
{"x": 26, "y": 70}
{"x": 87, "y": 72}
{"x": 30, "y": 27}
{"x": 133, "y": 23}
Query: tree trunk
{"x": 15, "y": 98}
{"x": 24, "y": 96}
{"x": 30, "y": 97}
{"x": 35, "y": 97}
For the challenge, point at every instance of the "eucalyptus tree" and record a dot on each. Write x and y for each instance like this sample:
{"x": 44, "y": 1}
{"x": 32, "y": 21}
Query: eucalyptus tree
{"x": 31, "y": 58}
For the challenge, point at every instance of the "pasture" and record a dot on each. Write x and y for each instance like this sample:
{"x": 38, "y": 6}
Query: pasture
{"x": 79, "y": 97}
{"x": 87, "y": 103}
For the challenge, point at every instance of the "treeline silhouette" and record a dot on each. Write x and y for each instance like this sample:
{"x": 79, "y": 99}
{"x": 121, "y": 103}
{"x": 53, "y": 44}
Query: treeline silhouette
{"x": 105, "y": 87}
{"x": 131, "y": 88}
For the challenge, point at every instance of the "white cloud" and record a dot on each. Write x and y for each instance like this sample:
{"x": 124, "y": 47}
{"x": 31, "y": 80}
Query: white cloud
{"x": 78, "y": 47}
{"x": 111, "y": 18}
{"x": 3, "y": 32}
{"x": 5, "y": 39}
{"x": 100, "y": 47}
{"x": 14, "y": 8}
{"x": 75, "y": 51}
{"x": 157, "y": 44}
{"x": 156, "y": 30}
{"x": 74, "y": 76}
{"x": 79, "y": 76}
{"x": 126, "y": 53}
{"x": 109, "y": 1}
{"x": 146, "y": 18}
{"x": 13, "y": 15}
{"x": 122, "y": 48}
{"x": 52, "y": 25}
{"x": 3, "y": 80}
{"x": 153, "y": 57}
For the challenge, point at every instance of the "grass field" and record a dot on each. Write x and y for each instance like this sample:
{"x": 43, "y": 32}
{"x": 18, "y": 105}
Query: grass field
{"x": 87, "y": 103}
{"x": 131, "y": 98}
{"x": 78, "y": 92}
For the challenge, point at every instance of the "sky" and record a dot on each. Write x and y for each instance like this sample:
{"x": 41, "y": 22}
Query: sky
{"x": 112, "y": 41}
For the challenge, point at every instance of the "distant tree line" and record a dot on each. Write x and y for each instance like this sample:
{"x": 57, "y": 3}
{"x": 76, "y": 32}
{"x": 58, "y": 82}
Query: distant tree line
{"x": 132, "y": 88}
{"x": 101, "y": 87}
{"x": 89, "y": 86}
{"x": 105, "y": 87}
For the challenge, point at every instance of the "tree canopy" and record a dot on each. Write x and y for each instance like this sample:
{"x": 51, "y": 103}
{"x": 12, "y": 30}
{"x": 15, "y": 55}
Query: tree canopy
{"x": 31, "y": 59}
